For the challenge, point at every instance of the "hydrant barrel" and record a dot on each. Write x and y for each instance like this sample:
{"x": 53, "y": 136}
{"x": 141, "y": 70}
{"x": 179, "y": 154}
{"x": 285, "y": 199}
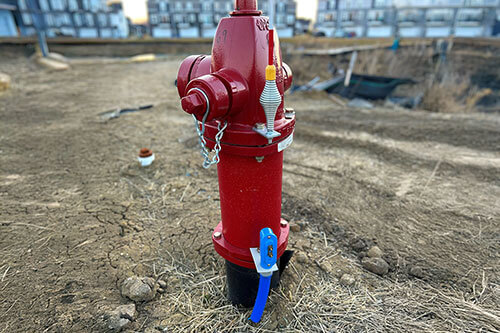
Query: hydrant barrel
{"x": 250, "y": 192}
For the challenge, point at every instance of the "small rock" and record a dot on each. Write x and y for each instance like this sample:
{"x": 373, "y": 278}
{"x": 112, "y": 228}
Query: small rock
{"x": 326, "y": 267}
{"x": 375, "y": 252}
{"x": 126, "y": 204}
{"x": 52, "y": 64}
{"x": 392, "y": 259}
{"x": 137, "y": 228}
{"x": 358, "y": 244}
{"x": 347, "y": 280}
{"x": 53, "y": 205}
{"x": 361, "y": 255}
{"x": 162, "y": 284}
{"x": 303, "y": 224}
{"x": 117, "y": 324}
{"x": 417, "y": 272}
{"x": 58, "y": 57}
{"x": 273, "y": 325}
{"x": 295, "y": 228}
{"x": 122, "y": 317}
{"x": 4, "y": 82}
{"x": 360, "y": 104}
{"x": 161, "y": 290}
{"x": 302, "y": 258}
{"x": 143, "y": 58}
{"x": 139, "y": 289}
{"x": 127, "y": 311}
{"x": 302, "y": 244}
{"x": 376, "y": 265}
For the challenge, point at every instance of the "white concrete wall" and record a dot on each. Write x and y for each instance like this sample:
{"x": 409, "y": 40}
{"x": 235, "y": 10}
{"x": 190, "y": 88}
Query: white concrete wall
{"x": 159, "y": 32}
{"x": 469, "y": 31}
{"x": 409, "y": 32}
{"x": 106, "y": 33}
{"x": 7, "y": 25}
{"x": 438, "y": 31}
{"x": 189, "y": 32}
{"x": 28, "y": 31}
{"x": 329, "y": 32}
{"x": 88, "y": 33}
{"x": 380, "y": 31}
{"x": 119, "y": 21}
{"x": 68, "y": 31}
{"x": 51, "y": 33}
{"x": 285, "y": 32}
{"x": 208, "y": 32}
{"x": 358, "y": 30}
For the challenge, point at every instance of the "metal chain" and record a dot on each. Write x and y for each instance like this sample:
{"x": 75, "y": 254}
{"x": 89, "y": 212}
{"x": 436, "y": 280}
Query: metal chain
{"x": 215, "y": 159}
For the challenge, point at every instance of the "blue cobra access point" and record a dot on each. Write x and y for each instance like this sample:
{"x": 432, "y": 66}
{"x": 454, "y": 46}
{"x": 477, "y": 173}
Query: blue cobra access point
{"x": 265, "y": 262}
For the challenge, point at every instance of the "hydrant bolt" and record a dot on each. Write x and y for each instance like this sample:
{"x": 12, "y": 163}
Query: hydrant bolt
{"x": 194, "y": 103}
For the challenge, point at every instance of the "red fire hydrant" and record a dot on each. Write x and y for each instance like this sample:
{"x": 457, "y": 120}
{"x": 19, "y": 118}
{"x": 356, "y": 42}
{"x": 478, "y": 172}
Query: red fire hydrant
{"x": 236, "y": 97}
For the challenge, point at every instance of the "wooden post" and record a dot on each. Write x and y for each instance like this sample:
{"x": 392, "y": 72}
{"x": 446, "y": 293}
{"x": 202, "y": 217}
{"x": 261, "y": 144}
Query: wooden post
{"x": 351, "y": 68}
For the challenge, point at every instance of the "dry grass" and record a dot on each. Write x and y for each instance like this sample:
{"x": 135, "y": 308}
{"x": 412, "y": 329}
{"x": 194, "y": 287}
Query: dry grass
{"x": 454, "y": 94}
{"x": 318, "y": 303}
{"x": 310, "y": 299}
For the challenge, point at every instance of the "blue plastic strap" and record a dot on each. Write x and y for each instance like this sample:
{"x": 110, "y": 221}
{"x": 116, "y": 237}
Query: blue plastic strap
{"x": 268, "y": 257}
{"x": 261, "y": 300}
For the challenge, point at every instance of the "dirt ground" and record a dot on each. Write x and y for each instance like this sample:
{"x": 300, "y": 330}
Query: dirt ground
{"x": 78, "y": 215}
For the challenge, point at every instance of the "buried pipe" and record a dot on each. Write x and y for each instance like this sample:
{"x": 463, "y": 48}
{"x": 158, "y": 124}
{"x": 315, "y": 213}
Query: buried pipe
{"x": 235, "y": 96}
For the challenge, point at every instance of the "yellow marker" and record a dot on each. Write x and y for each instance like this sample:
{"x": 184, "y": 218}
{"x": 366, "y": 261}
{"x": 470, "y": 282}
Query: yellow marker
{"x": 271, "y": 73}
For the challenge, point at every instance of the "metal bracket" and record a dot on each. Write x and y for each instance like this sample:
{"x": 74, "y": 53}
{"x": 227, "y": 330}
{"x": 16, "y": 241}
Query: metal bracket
{"x": 256, "y": 259}
{"x": 270, "y": 135}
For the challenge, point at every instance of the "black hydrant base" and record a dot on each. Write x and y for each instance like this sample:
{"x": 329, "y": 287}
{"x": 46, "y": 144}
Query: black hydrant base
{"x": 243, "y": 284}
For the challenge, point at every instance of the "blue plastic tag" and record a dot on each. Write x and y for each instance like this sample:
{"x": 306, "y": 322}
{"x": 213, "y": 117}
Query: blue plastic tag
{"x": 268, "y": 248}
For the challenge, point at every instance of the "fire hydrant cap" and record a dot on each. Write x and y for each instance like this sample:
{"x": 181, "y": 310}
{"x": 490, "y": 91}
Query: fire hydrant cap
{"x": 246, "y": 7}
{"x": 145, "y": 152}
{"x": 194, "y": 103}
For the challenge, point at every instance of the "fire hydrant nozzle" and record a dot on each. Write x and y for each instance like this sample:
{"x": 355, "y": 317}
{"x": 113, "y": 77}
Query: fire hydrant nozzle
{"x": 194, "y": 102}
{"x": 223, "y": 92}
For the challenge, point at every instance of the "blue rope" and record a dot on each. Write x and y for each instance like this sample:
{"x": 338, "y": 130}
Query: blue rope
{"x": 261, "y": 300}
